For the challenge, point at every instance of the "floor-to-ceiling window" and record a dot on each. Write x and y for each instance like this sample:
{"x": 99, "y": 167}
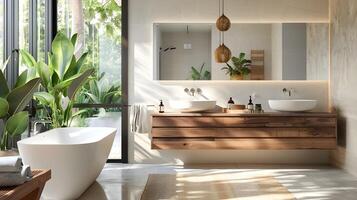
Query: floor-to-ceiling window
{"x": 98, "y": 24}
{"x": 24, "y": 29}
{"x": 2, "y": 27}
{"x": 101, "y": 25}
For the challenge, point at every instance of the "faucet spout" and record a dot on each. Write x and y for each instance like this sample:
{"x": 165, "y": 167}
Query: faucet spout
{"x": 36, "y": 122}
{"x": 289, "y": 91}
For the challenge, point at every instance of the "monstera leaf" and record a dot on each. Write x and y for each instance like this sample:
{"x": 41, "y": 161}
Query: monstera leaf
{"x": 17, "y": 124}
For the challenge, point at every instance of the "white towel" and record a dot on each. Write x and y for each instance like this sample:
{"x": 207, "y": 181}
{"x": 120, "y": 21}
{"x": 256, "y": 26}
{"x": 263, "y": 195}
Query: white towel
{"x": 15, "y": 178}
{"x": 139, "y": 119}
{"x": 10, "y": 164}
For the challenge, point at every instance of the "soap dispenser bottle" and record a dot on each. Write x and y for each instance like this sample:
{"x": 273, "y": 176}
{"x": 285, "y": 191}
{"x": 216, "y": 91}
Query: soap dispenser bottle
{"x": 161, "y": 107}
{"x": 230, "y": 103}
{"x": 250, "y": 105}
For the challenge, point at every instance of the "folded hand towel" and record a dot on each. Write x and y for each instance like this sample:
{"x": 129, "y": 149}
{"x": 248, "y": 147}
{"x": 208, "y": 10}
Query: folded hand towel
{"x": 10, "y": 164}
{"x": 15, "y": 178}
{"x": 139, "y": 119}
{"x": 26, "y": 172}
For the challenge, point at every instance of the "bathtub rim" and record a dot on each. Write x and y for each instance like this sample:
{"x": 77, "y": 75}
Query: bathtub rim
{"x": 24, "y": 141}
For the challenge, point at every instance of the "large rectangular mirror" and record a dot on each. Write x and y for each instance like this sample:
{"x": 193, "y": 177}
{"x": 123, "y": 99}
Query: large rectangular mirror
{"x": 277, "y": 51}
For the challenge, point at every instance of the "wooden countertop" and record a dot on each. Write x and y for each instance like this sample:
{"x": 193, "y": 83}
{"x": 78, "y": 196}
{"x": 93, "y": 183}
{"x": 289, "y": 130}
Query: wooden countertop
{"x": 267, "y": 114}
{"x": 30, "y": 190}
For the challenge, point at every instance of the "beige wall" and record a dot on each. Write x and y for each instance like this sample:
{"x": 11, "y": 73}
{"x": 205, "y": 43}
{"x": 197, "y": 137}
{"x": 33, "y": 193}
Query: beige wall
{"x": 344, "y": 78}
{"x": 142, "y": 15}
{"x": 317, "y": 51}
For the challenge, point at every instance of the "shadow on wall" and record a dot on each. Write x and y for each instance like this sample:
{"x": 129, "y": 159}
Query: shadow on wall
{"x": 341, "y": 129}
{"x": 141, "y": 153}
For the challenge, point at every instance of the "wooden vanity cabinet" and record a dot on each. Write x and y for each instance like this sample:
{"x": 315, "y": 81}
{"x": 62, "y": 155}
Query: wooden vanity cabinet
{"x": 244, "y": 131}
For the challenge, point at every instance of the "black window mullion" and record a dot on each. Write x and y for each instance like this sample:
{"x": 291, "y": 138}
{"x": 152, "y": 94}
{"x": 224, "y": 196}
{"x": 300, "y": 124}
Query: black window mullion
{"x": 11, "y": 43}
{"x": 125, "y": 81}
{"x": 33, "y": 28}
{"x": 50, "y": 24}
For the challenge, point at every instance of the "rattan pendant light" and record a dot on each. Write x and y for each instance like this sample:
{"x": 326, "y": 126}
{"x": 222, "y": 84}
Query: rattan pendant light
{"x": 223, "y": 53}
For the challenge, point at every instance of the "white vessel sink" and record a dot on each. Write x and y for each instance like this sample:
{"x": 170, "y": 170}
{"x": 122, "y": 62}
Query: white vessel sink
{"x": 192, "y": 105}
{"x": 297, "y": 105}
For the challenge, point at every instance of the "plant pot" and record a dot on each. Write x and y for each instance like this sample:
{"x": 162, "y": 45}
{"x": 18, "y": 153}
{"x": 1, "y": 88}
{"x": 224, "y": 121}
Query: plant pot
{"x": 236, "y": 77}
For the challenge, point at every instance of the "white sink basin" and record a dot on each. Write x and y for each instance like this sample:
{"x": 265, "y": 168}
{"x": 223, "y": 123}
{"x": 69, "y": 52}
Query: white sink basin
{"x": 192, "y": 106}
{"x": 297, "y": 105}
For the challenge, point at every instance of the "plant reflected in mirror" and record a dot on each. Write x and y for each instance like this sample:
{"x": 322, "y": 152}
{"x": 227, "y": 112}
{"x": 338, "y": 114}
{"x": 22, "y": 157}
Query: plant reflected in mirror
{"x": 200, "y": 74}
{"x": 239, "y": 69}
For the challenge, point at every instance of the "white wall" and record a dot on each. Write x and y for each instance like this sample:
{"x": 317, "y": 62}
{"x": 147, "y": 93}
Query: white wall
{"x": 343, "y": 75}
{"x": 243, "y": 38}
{"x": 142, "y": 15}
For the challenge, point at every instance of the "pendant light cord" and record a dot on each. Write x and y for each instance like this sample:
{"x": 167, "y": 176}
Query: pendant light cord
{"x": 222, "y": 7}
{"x": 219, "y": 15}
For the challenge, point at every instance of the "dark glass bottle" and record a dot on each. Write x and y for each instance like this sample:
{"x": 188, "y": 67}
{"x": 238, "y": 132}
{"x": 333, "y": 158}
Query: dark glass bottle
{"x": 161, "y": 107}
{"x": 250, "y": 105}
{"x": 230, "y": 103}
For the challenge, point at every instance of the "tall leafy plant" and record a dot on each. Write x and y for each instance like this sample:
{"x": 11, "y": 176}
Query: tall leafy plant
{"x": 12, "y": 103}
{"x": 61, "y": 78}
{"x": 99, "y": 91}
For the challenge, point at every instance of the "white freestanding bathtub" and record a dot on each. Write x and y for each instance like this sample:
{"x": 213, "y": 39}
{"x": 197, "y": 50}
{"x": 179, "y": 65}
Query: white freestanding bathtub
{"x": 76, "y": 156}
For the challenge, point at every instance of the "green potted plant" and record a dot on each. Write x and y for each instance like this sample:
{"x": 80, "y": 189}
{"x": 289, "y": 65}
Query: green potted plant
{"x": 239, "y": 69}
{"x": 61, "y": 79}
{"x": 200, "y": 74}
{"x": 12, "y": 103}
{"x": 98, "y": 90}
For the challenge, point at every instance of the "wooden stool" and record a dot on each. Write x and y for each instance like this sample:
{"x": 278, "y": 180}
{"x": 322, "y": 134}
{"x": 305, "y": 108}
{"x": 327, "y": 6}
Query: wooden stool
{"x": 30, "y": 190}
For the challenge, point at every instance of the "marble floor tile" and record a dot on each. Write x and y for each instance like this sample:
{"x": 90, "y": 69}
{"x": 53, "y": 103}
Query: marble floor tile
{"x": 127, "y": 181}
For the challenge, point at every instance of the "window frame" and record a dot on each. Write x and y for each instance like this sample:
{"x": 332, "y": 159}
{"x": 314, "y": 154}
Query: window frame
{"x": 11, "y": 47}
{"x": 124, "y": 87}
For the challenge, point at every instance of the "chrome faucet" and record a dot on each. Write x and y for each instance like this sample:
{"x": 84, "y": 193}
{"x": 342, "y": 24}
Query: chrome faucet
{"x": 289, "y": 91}
{"x": 193, "y": 91}
{"x": 35, "y": 122}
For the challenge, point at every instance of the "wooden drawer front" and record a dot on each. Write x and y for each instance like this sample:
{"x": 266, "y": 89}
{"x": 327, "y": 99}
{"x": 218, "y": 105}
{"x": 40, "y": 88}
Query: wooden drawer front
{"x": 277, "y": 143}
{"x": 243, "y": 122}
{"x": 245, "y": 144}
{"x": 184, "y": 132}
{"x": 197, "y": 121}
{"x": 301, "y": 122}
{"x": 315, "y": 132}
{"x": 183, "y": 144}
{"x": 243, "y": 132}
